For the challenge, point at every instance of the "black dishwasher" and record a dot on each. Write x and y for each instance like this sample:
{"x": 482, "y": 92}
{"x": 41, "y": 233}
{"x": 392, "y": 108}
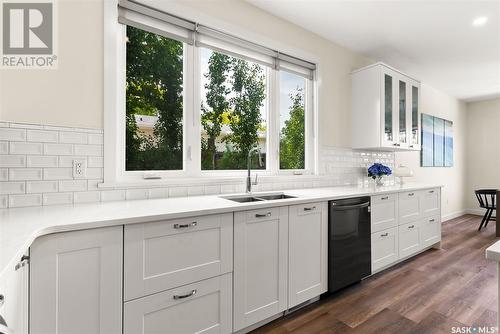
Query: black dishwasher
{"x": 349, "y": 244}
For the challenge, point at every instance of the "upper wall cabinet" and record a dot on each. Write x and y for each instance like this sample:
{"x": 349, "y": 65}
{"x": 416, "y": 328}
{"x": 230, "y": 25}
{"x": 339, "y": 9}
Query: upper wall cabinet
{"x": 385, "y": 109}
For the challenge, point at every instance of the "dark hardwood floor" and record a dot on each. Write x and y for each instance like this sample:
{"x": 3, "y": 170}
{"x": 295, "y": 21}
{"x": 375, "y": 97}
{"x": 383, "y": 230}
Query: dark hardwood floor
{"x": 430, "y": 293}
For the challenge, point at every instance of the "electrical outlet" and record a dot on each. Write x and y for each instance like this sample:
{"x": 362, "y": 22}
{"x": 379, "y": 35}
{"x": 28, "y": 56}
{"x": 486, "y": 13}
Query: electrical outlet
{"x": 79, "y": 168}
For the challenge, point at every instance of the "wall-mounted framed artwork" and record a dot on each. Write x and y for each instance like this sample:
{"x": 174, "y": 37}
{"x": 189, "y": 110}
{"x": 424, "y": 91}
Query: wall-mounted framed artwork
{"x": 437, "y": 142}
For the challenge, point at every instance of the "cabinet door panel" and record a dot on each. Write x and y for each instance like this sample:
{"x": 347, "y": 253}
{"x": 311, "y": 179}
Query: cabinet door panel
{"x": 409, "y": 206}
{"x": 260, "y": 266}
{"x": 14, "y": 288}
{"x": 414, "y": 116}
{"x": 384, "y": 248}
{"x": 431, "y": 202}
{"x": 202, "y": 307}
{"x": 402, "y": 111}
{"x": 389, "y": 108}
{"x": 384, "y": 212}
{"x": 166, "y": 254}
{"x": 409, "y": 239}
{"x": 430, "y": 231}
{"x": 76, "y": 282}
{"x": 308, "y": 248}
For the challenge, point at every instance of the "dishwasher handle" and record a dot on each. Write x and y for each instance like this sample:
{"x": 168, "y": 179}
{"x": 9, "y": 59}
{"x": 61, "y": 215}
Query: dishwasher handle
{"x": 335, "y": 206}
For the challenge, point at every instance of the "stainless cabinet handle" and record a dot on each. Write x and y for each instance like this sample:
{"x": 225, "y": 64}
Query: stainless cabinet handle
{"x": 411, "y": 194}
{"x": 262, "y": 215}
{"x": 25, "y": 259}
{"x": 179, "y": 226}
{"x": 411, "y": 146}
{"x": 431, "y": 191}
{"x": 2, "y": 300}
{"x": 432, "y": 220}
{"x": 310, "y": 208}
{"x": 384, "y": 198}
{"x": 411, "y": 226}
{"x": 189, "y": 294}
{"x": 396, "y": 144}
{"x": 384, "y": 234}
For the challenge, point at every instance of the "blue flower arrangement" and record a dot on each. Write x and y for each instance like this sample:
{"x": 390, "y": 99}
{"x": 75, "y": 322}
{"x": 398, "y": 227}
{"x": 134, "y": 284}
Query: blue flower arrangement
{"x": 378, "y": 170}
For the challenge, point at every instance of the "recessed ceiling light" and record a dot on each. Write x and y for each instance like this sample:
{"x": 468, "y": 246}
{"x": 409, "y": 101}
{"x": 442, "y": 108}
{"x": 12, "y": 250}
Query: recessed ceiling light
{"x": 479, "y": 21}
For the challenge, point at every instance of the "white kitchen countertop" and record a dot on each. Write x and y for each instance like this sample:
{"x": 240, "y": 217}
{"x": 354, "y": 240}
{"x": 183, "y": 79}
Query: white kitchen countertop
{"x": 19, "y": 227}
{"x": 493, "y": 252}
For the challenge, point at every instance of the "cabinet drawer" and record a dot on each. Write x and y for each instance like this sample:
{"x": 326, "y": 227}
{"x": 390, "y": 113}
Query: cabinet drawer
{"x": 308, "y": 209}
{"x": 409, "y": 206}
{"x": 202, "y": 307}
{"x": 409, "y": 239}
{"x": 167, "y": 254}
{"x": 384, "y": 212}
{"x": 431, "y": 202}
{"x": 384, "y": 248}
{"x": 262, "y": 215}
{"x": 430, "y": 231}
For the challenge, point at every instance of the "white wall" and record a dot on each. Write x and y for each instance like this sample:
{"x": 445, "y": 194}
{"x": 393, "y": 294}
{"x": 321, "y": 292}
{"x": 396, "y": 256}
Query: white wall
{"x": 483, "y": 148}
{"x": 72, "y": 95}
{"x": 453, "y": 178}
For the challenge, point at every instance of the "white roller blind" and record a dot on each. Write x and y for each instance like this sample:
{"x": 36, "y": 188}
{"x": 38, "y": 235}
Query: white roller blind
{"x": 152, "y": 20}
{"x": 224, "y": 43}
{"x": 146, "y": 17}
{"x": 296, "y": 66}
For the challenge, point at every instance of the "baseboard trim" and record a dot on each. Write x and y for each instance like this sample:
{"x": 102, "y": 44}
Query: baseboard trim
{"x": 476, "y": 211}
{"x": 454, "y": 215}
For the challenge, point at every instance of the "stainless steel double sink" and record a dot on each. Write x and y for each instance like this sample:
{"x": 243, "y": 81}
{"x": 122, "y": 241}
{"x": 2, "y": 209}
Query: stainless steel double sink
{"x": 257, "y": 197}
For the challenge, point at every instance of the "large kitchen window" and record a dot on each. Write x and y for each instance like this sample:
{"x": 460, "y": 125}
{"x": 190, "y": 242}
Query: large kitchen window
{"x": 199, "y": 102}
{"x": 154, "y": 93}
{"x": 233, "y": 112}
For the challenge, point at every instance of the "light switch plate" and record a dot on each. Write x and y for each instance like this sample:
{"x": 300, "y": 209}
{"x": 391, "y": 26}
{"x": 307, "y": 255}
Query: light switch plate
{"x": 79, "y": 168}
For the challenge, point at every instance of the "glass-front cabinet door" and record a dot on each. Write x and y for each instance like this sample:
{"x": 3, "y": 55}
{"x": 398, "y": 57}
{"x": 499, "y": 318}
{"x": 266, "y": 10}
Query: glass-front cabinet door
{"x": 385, "y": 109}
{"x": 402, "y": 113}
{"x": 414, "y": 113}
{"x": 389, "y": 114}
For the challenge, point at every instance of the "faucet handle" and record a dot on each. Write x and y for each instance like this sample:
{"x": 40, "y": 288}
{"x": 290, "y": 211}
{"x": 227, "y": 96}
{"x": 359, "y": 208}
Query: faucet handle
{"x": 256, "y": 180}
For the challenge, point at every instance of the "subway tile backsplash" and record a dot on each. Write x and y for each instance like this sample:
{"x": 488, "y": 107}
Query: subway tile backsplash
{"x": 36, "y": 169}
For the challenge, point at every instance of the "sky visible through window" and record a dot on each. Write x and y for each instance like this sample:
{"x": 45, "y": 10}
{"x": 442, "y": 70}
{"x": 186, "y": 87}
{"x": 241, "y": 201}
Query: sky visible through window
{"x": 289, "y": 84}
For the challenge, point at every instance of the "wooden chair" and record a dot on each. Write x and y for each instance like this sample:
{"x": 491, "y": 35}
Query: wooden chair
{"x": 486, "y": 199}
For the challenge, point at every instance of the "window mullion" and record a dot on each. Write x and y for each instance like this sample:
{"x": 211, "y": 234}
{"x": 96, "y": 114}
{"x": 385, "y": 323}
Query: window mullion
{"x": 274, "y": 119}
{"x": 311, "y": 135}
{"x": 192, "y": 114}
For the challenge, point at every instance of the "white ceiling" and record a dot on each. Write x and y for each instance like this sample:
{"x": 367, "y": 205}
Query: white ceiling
{"x": 432, "y": 40}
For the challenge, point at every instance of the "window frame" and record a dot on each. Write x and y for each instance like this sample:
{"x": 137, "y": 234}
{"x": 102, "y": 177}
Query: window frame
{"x": 115, "y": 111}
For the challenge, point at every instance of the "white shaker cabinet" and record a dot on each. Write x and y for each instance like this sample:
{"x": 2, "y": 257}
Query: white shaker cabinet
{"x": 384, "y": 212}
{"x": 409, "y": 239}
{"x": 166, "y": 254}
{"x": 430, "y": 230}
{"x": 409, "y": 206}
{"x": 14, "y": 296}
{"x": 404, "y": 224}
{"x": 307, "y": 252}
{"x": 384, "y": 248}
{"x": 385, "y": 109}
{"x": 260, "y": 265}
{"x": 431, "y": 202}
{"x": 76, "y": 282}
{"x": 201, "y": 307}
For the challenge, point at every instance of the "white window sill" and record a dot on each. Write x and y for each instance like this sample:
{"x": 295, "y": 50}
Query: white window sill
{"x": 208, "y": 180}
